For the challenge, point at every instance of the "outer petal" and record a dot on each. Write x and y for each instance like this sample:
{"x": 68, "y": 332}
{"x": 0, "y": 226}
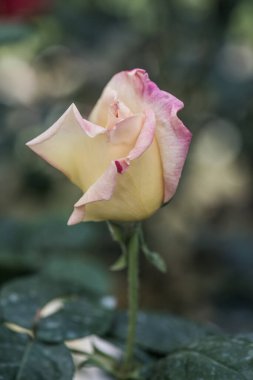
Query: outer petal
{"x": 64, "y": 144}
{"x": 172, "y": 136}
{"x": 174, "y": 144}
{"x": 102, "y": 189}
{"x": 132, "y": 196}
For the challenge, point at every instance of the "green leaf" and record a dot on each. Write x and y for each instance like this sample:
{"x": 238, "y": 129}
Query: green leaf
{"x": 21, "y": 300}
{"x": 215, "y": 358}
{"x": 22, "y": 359}
{"x": 121, "y": 263}
{"x": 12, "y": 346}
{"x": 155, "y": 259}
{"x": 116, "y": 231}
{"x": 118, "y": 235}
{"x": 161, "y": 333}
{"x": 78, "y": 318}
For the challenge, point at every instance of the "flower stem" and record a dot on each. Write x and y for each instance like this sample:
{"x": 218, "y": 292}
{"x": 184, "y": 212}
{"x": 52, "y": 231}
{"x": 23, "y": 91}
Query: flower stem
{"x": 133, "y": 272}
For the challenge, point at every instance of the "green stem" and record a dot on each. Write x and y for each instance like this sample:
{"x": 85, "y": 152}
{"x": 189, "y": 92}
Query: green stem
{"x": 133, "y": 272}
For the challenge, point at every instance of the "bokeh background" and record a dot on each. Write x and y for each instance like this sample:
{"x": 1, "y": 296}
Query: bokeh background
{"x": 53, "y": 53}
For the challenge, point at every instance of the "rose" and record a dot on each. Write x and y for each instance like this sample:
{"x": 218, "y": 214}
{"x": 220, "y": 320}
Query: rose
{"x": 128, "y": 158}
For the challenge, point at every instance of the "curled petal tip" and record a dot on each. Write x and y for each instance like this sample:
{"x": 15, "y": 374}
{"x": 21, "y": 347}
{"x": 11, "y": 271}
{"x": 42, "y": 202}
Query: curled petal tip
{"x": 70, "y": 221}
{"x": 31, "y": 142}
{"x": 76, "y": 217}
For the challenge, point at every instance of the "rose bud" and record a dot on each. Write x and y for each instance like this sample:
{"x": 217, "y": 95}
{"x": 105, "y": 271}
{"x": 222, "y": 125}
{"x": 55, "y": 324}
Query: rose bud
{"x": 128, "y": 157}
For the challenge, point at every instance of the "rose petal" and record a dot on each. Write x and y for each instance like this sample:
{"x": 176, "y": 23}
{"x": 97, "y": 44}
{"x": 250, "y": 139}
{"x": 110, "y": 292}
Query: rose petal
{"x": 99, "y": 113}
{"x": 172, "y": 136}
{"x": 71, "y": 133}
{"x": 140, "y": 93}
{"x": 102, "y": 189}
{"x": 146, "y": 136}
{"x": 144, "y": 140}
{"x": 138, "y": 192}
{"x": 126, "y": 130}
{"x": 174, "y": 144}
{"x": 125, "y": 195}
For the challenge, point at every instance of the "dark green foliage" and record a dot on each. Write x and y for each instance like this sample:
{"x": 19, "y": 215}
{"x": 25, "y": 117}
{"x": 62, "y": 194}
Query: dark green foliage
{"x": 215, "y": 358}
{"x": 22, "y": 300}
{"x": 23, "y": 358}
{"x": 78, "y": 318}
{"x": 168, "y": 347}
{"x": 160, "y": 333}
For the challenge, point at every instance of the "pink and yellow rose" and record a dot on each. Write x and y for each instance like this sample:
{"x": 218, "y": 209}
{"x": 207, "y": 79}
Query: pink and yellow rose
{"x": 127, "y": 158}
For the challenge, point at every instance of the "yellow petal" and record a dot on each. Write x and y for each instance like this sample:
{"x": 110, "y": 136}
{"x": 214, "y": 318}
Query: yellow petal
{"x": 138, "y": 192}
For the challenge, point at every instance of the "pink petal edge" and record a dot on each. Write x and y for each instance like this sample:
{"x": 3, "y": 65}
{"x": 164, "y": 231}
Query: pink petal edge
{"x": 102, "y": 189}
{"x": 172, "y": 135}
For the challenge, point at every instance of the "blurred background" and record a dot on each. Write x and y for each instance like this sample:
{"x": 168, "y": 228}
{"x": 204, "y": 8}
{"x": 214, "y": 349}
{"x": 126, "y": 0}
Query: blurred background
{"x": 53, "y": 53}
